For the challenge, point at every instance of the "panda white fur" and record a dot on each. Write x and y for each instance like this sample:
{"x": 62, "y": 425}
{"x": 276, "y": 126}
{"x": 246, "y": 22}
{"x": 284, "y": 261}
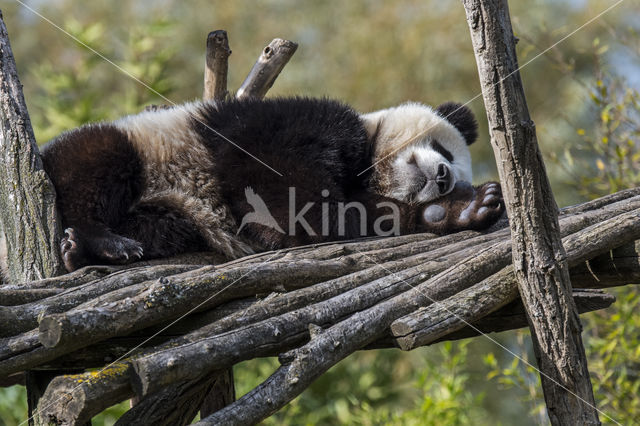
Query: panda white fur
{"x": 163, "y": 182}
{"x": 420, "y": 154}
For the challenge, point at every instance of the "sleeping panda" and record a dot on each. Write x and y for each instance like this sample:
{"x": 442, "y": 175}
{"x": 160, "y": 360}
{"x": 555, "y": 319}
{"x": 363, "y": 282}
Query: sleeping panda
{"x": 240, "y": 176}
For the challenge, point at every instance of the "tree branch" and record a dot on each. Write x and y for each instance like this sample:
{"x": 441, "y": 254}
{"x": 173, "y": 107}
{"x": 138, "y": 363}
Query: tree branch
{"x": 216, "y": 66}
{"x": 267, "y": 68}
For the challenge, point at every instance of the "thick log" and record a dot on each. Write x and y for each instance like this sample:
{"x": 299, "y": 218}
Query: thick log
{"x": 222, "y": 392}
{"x": 29, "y": 228}
{"x": 25, "y": 352}
{"x": 538, "y": 256}
{"x": 185, "y": 362}
{"x": 181, "y": 293}
{"x": 216, "y": 66}
{"x": 513, "y": 316}
{"x": 267, "y": 68}
{"x": 28, "y": 222}
{"x": 73, "y": 399}
{"x": 9, "y": 297}
{"x": 73, "y": 279}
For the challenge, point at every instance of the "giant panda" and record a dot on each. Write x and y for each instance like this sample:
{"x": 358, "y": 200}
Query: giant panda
{"x": 186, "y": 178}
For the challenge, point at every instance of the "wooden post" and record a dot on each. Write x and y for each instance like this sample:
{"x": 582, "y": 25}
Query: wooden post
{"x": 28, "y": 222}
{"x": 539, "y": 258}
{"x": 29, "y": 229}
{"x": 221, "y": 390}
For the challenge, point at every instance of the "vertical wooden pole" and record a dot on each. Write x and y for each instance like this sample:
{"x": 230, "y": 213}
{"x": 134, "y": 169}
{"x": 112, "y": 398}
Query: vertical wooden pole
{"x": 539, "y": 258}
{"x": 222, "y": 391}
{"x": 29, "y": 228}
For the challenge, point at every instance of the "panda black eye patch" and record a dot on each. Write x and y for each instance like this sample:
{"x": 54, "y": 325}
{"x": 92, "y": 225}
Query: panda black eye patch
{"x": 442, "y": 150}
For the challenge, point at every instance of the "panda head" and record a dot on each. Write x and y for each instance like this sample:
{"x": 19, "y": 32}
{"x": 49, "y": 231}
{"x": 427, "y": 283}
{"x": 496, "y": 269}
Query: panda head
{"x": 420, "y": 153}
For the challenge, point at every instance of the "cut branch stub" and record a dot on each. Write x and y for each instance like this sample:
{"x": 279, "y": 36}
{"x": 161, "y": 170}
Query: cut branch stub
{"x": 267, "y": 68}
{"x": 216, "y": 66}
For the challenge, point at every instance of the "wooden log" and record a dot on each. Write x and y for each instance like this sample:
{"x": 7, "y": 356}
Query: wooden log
{"x": 513, "y": 316}
{"x": 620, "y": 266}
{"x": 73, "y": 279}
{"x": 216, "y": 66}
{"x": 73, "y": 399}
{"x": 217, "y": 390}
{"x": 91, "y": 322}
{"x": 430, "y": 323}
{"x": 28, "y": 222}
{"x": 176, "y": 404}
{"x": 17, "y": 319}
{"x": 305, "y": 364}
{"x": 267, "y": 68}
{"x": 9, "y": 297}
{"x": 29, "y": 228}
{"x": 23, "y": 352}
{"x": 81, "y": 396}
{"x": 185, "y": 362}
{"x": 538, "y": 256}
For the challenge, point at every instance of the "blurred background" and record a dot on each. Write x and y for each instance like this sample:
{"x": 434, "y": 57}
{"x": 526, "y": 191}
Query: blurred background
{"x": 582, "y": 95}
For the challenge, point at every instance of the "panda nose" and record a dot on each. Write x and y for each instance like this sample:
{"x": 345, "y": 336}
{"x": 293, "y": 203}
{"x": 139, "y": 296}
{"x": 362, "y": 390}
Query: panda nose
{"x": 443, "y": 178}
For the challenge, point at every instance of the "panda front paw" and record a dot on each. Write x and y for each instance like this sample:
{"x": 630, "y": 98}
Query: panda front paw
{"x": 465, "y": 208}
{"x": 117, "y": 249}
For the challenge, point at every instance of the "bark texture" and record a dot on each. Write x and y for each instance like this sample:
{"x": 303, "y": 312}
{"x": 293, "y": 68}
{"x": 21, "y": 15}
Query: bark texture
{"x": 216, "y": 66}
{"x": 539, "y": 260}
{"x": 28, "y": 222}
{"x": 267, "y": 68}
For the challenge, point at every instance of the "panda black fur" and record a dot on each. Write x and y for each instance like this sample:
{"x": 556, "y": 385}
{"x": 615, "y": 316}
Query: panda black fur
{"x": 161, "y": 183}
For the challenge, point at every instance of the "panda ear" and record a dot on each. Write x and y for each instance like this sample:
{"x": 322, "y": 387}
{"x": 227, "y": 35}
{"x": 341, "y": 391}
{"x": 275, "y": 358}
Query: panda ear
{"x": 462, "y": 118}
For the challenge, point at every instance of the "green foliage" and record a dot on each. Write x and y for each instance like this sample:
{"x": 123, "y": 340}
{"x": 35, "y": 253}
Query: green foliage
{"x": 73, "y": 93}
{"x": 613, "y": 345}
{"x": 606, "y": 158}
{"x": 13, "y": 406}
{"x": 374, "y": 388}
{"x": 519, "y": 373}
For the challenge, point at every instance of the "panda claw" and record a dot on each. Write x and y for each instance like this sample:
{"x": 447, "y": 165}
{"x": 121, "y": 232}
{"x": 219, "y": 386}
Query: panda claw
{"x": 492, "y": 189}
